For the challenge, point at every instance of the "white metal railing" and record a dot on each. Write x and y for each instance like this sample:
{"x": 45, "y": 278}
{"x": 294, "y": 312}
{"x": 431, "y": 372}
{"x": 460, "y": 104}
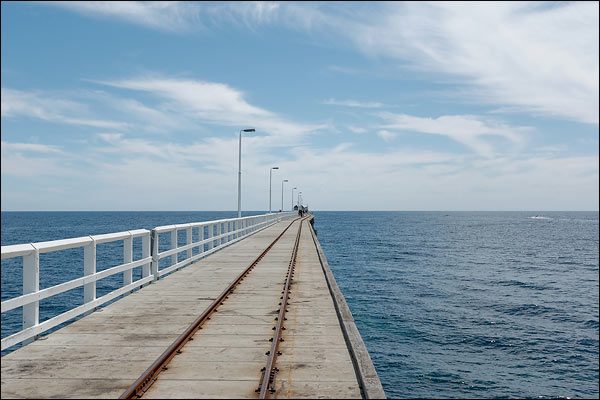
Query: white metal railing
{"x": 212, "y": 236}
{"x": 30, "y": 299}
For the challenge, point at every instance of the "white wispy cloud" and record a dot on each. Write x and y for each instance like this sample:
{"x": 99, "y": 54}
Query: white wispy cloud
{"x": 540, "y": 57}
{"x": 142, "y": 115}
{"x": 344, "y": 69}
{"x": 191, "y": 16}
{"x": 470, "y": 130}
{"x": 33, "y": 160}
{"x": 353, "y": 103}
{"x": 386, "y": 135}
{"x": 356, "y": 129}
{"x": 29, "y": 147}
{"x": 49, "y": 107}
{"x": 211, "y": 153}
{"x": 170, "y": 16}
{"x": 216, "y": 103}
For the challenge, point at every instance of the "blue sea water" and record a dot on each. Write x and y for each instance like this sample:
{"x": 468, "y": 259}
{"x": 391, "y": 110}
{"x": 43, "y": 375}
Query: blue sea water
{"x": 449, "y": 304}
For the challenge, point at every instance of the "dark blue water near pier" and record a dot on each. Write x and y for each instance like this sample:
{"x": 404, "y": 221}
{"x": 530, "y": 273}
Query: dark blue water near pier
{"x": 450, "y": 304}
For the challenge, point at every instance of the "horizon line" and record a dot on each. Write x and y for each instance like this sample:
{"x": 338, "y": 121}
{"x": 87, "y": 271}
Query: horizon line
{"x": 324, "y": 210}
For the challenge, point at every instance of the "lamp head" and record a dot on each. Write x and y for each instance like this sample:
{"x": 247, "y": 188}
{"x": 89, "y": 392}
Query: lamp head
{"x": 249, "y": 130}
{"x": 274, "y": 167}
{"x": 285, "y": 180}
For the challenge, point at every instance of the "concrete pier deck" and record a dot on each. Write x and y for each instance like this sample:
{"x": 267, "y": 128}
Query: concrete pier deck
{"x": 102, "y": 354}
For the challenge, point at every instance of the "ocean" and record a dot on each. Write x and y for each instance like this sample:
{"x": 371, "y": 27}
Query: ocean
{"x": 449, "y": 304}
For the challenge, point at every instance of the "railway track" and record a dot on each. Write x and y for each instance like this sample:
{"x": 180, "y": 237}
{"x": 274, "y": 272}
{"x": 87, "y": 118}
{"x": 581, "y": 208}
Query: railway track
{"x": 266, "y": 386}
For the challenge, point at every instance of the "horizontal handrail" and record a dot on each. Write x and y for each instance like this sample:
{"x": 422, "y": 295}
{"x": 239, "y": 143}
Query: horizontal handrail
{"x": 219, "y": 234}
{"x": 17, "y": 250}
{"x": 179, "y": 249}
{"x": 166, "y": 228}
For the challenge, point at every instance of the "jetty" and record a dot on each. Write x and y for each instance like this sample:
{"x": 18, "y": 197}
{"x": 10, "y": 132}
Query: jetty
{"x": 246, "y": 308}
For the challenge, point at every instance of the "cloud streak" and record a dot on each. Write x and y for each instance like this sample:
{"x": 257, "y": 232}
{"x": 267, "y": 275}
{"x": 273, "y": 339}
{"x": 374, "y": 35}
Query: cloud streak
{"x": 29, "y": 147}
{"x": 468, "y": 130}
{"x": 32, "y": 160}
{"x": 353, "y": 103}
{"x": 215, "y": 103}
{"x": 166, "y": 16}
{"x": 31, "y": 104}
{"x": 386, "y": 136}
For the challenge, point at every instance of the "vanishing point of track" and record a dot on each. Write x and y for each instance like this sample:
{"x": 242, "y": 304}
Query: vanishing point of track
{"x": 266, "y": 384}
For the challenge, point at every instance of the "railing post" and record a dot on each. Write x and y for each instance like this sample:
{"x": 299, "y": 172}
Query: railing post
{"x": 127, "y": 258}
{"x": 146, "y": 243}
{"x": 31, "y": 284}
{"x": 201, "y": 238}
{"x": 89, "y": 268}
{"x": 209, "y": 234}
{"x": 188, "y": 240}
{"x": 219, "y": 229}
{"x": 174, "y": 246}
{"x": 155, "y": 260}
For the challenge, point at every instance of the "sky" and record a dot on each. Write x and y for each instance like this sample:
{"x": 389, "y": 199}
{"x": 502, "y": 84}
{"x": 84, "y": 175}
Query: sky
{"x": 362, "y": 106}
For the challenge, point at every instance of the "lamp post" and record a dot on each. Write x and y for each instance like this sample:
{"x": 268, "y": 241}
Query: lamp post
{"x": 293, "y": 198}
{"x": 282, "y": 182}
{"x": 240, "y": 172}
{"x": 270, "y": 178}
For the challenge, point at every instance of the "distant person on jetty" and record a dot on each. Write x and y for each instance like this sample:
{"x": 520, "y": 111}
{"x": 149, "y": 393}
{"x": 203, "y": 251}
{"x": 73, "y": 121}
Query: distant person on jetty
{"x": 302, "y": 210}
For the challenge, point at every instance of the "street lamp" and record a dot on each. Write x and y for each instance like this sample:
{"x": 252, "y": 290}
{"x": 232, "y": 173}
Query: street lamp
{"x": 285, "y": 180}
{"x": 240, "y": 171}
{"x": 293, "y": 198}
{"x": 270, "y": 177}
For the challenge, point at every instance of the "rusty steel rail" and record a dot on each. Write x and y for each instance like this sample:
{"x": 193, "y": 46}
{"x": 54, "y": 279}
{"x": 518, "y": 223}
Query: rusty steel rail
{"x": 148, "y": 377}
{"x": 267, "y": 384}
